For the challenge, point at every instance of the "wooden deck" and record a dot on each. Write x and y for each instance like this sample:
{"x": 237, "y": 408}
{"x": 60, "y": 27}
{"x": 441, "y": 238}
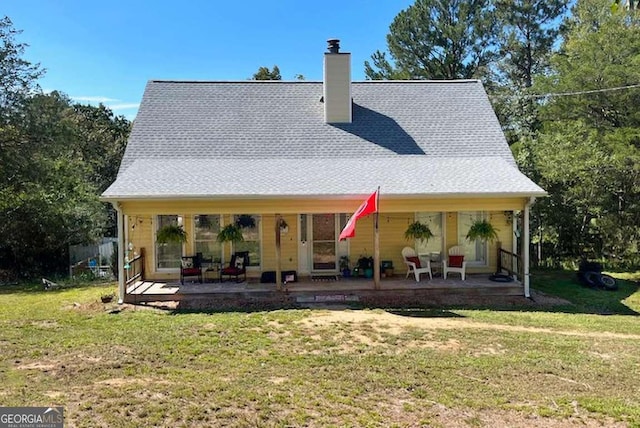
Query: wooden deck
{"x": 308, "y": 292}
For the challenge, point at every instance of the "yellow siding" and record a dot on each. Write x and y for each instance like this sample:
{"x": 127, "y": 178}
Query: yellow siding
{"x": 288, "y": 243}
{"x": 391, "y": 227}
{"x": 451, "y": 230}
{"x": 392, "y": 239}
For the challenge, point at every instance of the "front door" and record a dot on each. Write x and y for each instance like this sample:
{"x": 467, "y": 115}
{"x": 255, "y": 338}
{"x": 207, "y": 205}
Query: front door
{"x": 323, "y": 243}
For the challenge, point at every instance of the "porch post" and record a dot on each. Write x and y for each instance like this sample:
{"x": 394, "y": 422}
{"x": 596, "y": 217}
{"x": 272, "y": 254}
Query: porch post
{"x": 525, "y": 240}
{"x": 376, "y": 244}
{"x": 278, "y": 239}
{"x": 514, "y": 244}
{"x": 121, "y": 238}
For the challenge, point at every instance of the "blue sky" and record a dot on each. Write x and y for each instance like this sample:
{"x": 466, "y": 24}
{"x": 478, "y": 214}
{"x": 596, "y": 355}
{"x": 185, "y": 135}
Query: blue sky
{"x": 106, "y": 51}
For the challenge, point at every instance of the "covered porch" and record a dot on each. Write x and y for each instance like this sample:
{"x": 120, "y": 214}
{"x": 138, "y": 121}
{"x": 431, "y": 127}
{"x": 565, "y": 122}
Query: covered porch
{"x": 307, "y": 292}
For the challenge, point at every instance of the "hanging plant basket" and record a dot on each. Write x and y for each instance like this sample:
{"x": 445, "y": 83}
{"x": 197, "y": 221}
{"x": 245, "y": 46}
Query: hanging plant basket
{"x": 483, "y": 230}
{"x": 245, "y": 221}
{"x": 418, "y": 231}
{"x": 171, "y": 233}
{"x": 230, "y": 233}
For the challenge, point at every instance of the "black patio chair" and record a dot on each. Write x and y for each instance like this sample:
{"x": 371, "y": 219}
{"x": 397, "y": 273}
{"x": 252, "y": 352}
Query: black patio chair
{"x": 189, "y": 267}
{"x": 237, "y": 266}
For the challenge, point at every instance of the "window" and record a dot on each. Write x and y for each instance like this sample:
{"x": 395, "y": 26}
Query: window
{"x": 475, "y": 253}
{"x": 168, "y": 254}
{"x": 251, "y": 242}
{"x": 434, "y": 221}
{"x": 206, "y": 228}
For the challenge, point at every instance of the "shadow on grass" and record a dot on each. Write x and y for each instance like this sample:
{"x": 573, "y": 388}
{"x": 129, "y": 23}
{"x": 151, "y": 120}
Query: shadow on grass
{"x": 425, "y": 313}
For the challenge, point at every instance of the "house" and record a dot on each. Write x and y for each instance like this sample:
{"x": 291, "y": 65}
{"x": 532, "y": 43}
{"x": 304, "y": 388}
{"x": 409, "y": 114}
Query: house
{"x": 203, "y": 153}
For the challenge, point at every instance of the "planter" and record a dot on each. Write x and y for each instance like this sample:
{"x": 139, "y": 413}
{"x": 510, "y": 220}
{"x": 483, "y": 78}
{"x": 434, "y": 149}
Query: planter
{"x": 346, "y": 273}
{"x": 483, "y": 230}
{"x": 368, "y": 273}
{"x": 107, "y": 299}
{"x": 230, "y": 233}
{"x": 418, "y": 232}
{"x": 171, "y": 233}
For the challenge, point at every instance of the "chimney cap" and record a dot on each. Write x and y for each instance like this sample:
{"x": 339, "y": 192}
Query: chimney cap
{"x": 333, "y": 45}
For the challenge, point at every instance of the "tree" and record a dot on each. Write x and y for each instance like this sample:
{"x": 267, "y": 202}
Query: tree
{"x": 587, "y": 152}
{"x": 17, "y": 76}
{"x": 433, "y": 39}
{"x": 601, "y": 51}
{"x": 264, "y": 73}
{"x": 48, "y": 202}
{"x": 528, "y": 31}
{"x": 55, "y": 159}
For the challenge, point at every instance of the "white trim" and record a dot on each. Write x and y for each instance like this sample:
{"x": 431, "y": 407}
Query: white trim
{"x": 121, "y": 237}
{"x": 345, "y": 196}
{"x": 526, "y": 238}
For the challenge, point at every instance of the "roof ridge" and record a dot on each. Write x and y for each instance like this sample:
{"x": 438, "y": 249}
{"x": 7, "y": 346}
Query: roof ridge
{"x": 314, "y": 81}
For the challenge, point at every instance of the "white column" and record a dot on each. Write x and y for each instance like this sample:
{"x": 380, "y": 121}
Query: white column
{"x": 514, "y": 244}
{"x": 121, "y": 249}
{"x": 526, "y": 240}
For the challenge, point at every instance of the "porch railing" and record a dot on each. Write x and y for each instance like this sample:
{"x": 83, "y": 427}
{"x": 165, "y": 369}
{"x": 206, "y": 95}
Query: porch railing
{"x": 510, "y": 263}
{"x": 136, "y": 268}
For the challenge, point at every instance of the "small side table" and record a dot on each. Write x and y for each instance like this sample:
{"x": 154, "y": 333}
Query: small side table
{"x": 213, "y": 273}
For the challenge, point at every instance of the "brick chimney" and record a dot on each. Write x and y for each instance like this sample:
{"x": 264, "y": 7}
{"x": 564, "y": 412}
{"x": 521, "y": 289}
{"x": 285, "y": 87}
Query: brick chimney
{"x": 337, "y": 84}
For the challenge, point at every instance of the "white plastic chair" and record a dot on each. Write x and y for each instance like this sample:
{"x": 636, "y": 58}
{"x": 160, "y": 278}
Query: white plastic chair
{"x": 458, "y": 265}
{"x": 412, "y": 265}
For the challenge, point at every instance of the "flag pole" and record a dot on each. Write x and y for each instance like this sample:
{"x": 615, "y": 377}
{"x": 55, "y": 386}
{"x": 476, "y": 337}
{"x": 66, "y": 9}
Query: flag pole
{"x": 376, "y": 245}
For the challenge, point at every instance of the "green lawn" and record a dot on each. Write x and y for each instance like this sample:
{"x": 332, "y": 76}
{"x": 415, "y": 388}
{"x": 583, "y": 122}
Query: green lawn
{"x": 560, "y": 366}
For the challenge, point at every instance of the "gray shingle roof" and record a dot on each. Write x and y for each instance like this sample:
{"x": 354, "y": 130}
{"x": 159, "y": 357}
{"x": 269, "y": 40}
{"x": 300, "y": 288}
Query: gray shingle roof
{"x": 401, "y": 176}
{"x": 207, "y": 139}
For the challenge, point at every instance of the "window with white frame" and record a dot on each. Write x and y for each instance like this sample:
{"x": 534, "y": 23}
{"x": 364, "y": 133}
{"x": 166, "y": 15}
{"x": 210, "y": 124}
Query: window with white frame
{"x": 206, "y": 228}
{"x": 434, "y": 245}
{"x": 475, "y": 252}
{"x": 168, "y": 254}
{"x": 251, "y": 241}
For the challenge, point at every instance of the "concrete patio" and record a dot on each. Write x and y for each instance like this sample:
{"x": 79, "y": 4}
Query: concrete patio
{"x": 306, "y": 291}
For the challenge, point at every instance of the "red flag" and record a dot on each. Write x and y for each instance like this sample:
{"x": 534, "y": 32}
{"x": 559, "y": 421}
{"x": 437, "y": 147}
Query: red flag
{"x": 369, "y": 206}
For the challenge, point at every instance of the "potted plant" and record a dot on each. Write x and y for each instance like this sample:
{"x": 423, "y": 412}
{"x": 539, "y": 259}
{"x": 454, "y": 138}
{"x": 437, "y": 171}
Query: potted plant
{"x": 418, "y": 231}
{"x": 386, "y": 267}
{"x": 107, "y": 298}
{"x": 344, "y": 266}
{"x": 230, "y": 233}
{"x": 365, "y": 265}
{"x": 171, "y": 233}
{"x": 483, "y": 230}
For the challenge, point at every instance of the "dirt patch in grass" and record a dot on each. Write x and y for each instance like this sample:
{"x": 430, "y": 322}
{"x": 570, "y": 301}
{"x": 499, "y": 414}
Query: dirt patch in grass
{"x": 385, "y": 322}
{"x": 456, "y": 418}
{"x": 117, "y": 382}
